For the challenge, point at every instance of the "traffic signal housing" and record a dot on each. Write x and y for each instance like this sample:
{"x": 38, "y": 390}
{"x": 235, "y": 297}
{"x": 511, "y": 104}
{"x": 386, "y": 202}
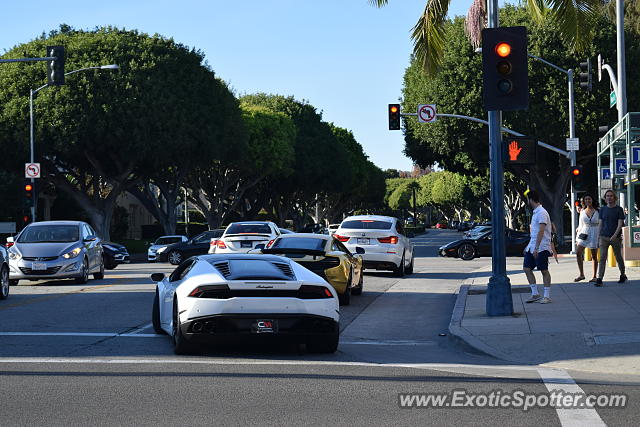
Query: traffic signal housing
{"x": 505, "y": 69}
{"x": 55, "y": 67}
{"x": 521, "y": 150}
{"x": 394, "y": 116}
{"x": 585, "y": 75}
{"x": 575, "y": 173}
{"x": 29, "y": 193}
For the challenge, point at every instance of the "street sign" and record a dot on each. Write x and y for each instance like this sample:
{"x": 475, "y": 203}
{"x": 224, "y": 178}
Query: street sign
{"x": 520, "y": 151}
{"x": 573, "y": 144}
{"x": 612, "y": 99}
{"x": 620, "y": 166}
{"x": 635, "y": 155}
{"x": 32, "y": 170}
{"x": 427, "y": 113}
{"x": 605, "y": 173}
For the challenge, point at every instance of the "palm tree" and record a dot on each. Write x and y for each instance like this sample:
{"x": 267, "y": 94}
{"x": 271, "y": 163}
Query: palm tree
{"x": 573, "y": 18}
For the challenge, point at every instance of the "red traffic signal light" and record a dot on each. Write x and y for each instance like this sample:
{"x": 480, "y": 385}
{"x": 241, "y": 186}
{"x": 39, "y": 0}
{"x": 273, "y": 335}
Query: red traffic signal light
{"x": 576, "y": 204}
{"x": 28, "y": 187}
{"x": 394, "y": 116}
{"x": 503, "y": 49}
{"x": 576, "y": 171}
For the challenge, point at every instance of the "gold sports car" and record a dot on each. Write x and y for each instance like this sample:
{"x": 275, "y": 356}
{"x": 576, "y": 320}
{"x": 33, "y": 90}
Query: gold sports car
{"x": 325, "y": 256}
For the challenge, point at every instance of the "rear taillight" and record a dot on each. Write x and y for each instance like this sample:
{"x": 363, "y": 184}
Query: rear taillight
{"x": 270, "y": 243}
{"x": 8, "y": 245}
{"x": 220, "y": 245}
{"x": 214, "y": 242}
{"x": 391, "y": 239}
{"x": 341, "y": 238}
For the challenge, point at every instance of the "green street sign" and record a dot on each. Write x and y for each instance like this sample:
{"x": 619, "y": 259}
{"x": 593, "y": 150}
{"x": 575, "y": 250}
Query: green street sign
{"x": 612, "y": 99}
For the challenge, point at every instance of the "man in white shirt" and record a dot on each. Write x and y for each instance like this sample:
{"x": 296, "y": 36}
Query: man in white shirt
{"x": 537, "y": 253}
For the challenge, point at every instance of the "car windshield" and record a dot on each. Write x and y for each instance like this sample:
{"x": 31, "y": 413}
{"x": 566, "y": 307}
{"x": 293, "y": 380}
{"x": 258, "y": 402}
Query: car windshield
{"x": 300, "y": 243}
{"x": 167, "y": 240}
{"x": 367, "y": 224}
{"x": 50, "y": 234}
{"x": 248, "y": 229}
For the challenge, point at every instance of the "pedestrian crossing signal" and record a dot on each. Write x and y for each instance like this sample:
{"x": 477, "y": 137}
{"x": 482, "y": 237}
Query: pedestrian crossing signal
{"x": 520, "y": 151}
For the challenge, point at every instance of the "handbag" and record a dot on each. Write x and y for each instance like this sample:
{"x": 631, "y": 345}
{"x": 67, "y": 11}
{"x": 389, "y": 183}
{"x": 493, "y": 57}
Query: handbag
{"x": 583, "y": 236}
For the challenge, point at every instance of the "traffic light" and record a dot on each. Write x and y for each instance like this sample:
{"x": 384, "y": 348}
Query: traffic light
{"x": 585, "y": 75}
{"x": 28, "y": 193}
{"x": 394, "y": 116}
{"x": 575, "y": 172}
{"x": 505, "y": 72}
{"x": 520, "y": 150}
{"x": 55, "y": 68}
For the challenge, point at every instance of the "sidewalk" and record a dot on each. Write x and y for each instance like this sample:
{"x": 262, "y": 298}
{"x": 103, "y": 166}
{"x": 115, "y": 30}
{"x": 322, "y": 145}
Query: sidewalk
{"x": 584, "y": 328}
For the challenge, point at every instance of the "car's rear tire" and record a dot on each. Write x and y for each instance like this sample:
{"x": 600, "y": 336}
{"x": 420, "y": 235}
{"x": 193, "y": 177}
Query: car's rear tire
{"x": 358, "y": 289}
{"x": 5, "y": 283}
{"x": 175, "y": 257}
{"x": 100, "y": 274}
{"x": 467, "y": 252}
{"x": 155, "y": 315}
{"x": 85, "y": 273}
{"x": 409, "y": 269}
{"x": 180, "y": 344}
{"x": 324, "y": 345}
{"x": 400, "y": 271}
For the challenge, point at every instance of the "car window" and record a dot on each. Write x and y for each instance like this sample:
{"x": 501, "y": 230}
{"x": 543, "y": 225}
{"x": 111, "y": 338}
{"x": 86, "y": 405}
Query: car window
{"x": 182, "y": 270}
{"x": 399, "y": 228}
{"x": 240, "y": 228}
{"x": 92, "y": 231}
{"x": 201, "y": 238}
{"x": 299, "y": 243}
{"x": 366, "y": 224}
{"x": 85, "y": 231}
{"x": 167, "y": 240}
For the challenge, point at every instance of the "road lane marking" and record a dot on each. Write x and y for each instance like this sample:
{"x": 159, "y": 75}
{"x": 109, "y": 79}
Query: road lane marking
{"x": 388, "y": 342}
{"x": 560, "y": 380}
{"x": 140, "y": 329}
{"x": 50, "y": 297}
{"x": 77, "y": 334}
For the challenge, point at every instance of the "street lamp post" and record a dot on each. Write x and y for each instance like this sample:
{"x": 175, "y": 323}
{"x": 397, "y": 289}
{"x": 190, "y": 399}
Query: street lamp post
{"x": 32, "y": 92}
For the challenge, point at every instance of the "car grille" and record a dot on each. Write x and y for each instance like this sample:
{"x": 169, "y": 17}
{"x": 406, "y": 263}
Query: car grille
{"x": 43, "y": 258}
{"x": 28, "y": 271}
{"x": 319, "y": 267}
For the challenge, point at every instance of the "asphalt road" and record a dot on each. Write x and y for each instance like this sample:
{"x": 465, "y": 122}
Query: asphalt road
{"x": 86, "y": 355}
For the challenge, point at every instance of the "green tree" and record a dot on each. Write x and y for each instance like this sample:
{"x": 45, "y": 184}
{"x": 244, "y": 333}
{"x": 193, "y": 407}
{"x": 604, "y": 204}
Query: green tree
{"x": 573, "y": 18}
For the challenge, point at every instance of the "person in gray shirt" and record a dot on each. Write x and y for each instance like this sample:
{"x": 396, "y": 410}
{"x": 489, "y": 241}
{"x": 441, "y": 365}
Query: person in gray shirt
{"x": 611, "y": 223}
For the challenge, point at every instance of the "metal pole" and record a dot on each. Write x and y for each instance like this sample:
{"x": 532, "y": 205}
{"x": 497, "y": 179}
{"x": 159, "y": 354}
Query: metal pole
{"x": 499, "y": 301}
{"x": 572, "y": 159}
{"x": 32, "y": 156}
{"x": 622, "y": 72}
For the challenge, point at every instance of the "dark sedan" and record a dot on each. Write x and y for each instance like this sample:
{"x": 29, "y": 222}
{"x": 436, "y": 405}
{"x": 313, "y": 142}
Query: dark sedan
{"x": 114, "y": 255}
{"x": 479, "y": 244}
{"x": 198, "y": 245}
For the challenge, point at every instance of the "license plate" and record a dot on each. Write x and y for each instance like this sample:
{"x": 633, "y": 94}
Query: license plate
{"x": 363, "y": 241}
{"x": 247, "y": 244}
{"x": 264, "y": 326}
{"x": 38, "y": 266}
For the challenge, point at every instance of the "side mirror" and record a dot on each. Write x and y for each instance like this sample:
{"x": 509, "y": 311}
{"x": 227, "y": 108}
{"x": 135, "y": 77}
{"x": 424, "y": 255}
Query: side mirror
{"x": 90, "y": 239}
{"x": 10, "y": 239}
{"x": 157, "y": 277}
{"x": 260, "y": 246}
{"x": 359, "y": 250}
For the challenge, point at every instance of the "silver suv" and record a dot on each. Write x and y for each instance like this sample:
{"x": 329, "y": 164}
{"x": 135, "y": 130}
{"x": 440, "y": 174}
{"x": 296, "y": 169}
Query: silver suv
{"x": 56, "y": 250}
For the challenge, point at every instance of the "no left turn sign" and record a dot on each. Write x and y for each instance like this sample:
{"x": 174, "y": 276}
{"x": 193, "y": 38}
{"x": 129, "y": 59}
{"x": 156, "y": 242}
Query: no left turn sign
{"x": 427, "y": 113}
{"x": 32, "y": 170}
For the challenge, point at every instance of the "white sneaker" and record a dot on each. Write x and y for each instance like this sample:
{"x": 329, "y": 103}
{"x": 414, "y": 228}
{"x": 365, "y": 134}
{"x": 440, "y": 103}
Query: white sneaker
{"x": 545, "y": 300}
{"x": 533, "y": 298}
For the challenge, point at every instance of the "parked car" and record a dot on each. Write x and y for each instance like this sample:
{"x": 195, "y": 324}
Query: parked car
{"x": 56, "y": 250}
{"x": 441, "y": 225}
{"x": 198, "y": 245}
{"x": 478, "y": 229}
{"x": 327, "y": 257}
{"x": 465, "y": 226}
{"x": 214, "y": 298}
{"x": 332, "y": 228}
{"x": 4, "y": 273}
{"x": 114, "y": 255}
{"x": 241, "y": 237}
{"x": 161, "y": 242}
{"x": 478, "y": 245}
{"x": 383, "y": 239}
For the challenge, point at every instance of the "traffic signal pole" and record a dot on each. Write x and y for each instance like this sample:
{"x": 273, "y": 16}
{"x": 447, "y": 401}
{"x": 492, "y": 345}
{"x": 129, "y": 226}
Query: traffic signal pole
{"x": 499, "y": 301}
{"x": 572, "y": 159}
{"x": 32, "y": 155}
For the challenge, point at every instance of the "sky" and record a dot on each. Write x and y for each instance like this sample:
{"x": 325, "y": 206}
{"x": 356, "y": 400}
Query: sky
{"x": 345, "y": 57}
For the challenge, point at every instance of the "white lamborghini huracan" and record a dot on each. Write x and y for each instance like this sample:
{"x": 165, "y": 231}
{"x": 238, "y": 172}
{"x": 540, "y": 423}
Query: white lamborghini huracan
{"x": 211, "y": 298}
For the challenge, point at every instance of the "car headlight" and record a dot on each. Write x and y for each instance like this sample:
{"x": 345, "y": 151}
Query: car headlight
{"x": 162, "y": 249}
{"x": 74, "y": 253}
{"x": 14, "y": 255}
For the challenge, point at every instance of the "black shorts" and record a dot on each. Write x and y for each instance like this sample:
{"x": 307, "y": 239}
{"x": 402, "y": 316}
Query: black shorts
{"x": 541, "y": 261}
